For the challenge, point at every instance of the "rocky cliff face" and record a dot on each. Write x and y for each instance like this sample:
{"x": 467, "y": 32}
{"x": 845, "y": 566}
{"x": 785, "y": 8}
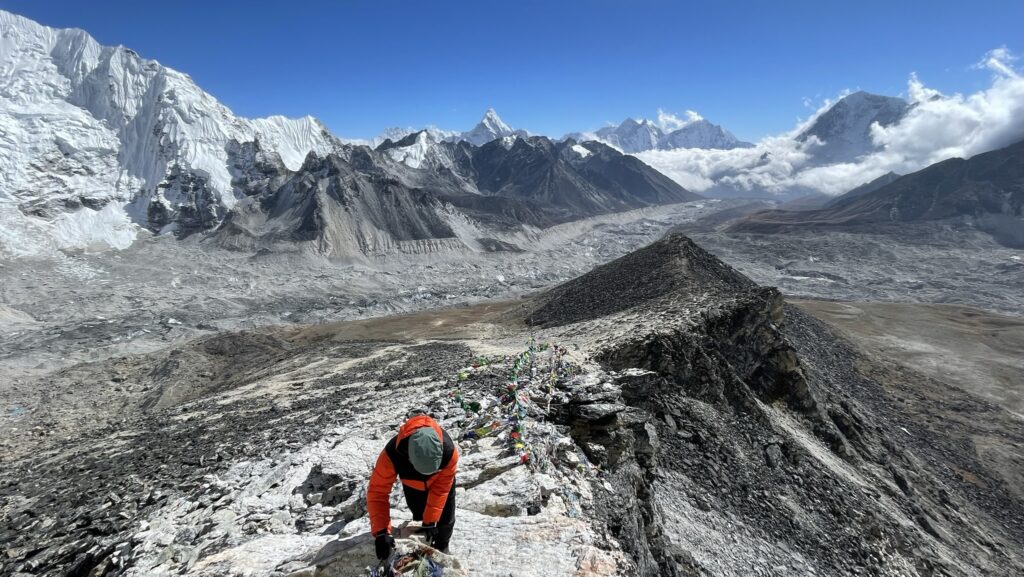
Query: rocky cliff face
{"x": 690, "y": 425}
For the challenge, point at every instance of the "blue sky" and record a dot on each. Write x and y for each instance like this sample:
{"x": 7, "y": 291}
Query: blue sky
{"x": 550, "y": 67}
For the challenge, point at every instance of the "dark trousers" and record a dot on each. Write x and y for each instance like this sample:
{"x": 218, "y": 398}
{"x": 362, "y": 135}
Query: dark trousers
{"x": 417, "y": 502}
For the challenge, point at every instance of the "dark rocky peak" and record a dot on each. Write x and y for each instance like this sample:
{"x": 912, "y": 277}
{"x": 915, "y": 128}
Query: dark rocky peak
{"x": 311, "y": 162}
{"x": 327, "y": 166}
{"x": 407, "y": 140}
{"x": 358, "y": 158}
{"x": 534, "y": 145}
{"x": 364, "y": 159}
{"x": 344, "y": 152}
{"x": 672, "y": 266}
{"x": 253, "y": 168}
{"x": 252, "y": 153}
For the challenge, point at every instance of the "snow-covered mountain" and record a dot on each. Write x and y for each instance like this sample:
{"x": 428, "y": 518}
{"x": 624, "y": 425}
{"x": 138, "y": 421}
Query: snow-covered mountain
{"x": 843, "y": 132}
{"x": 632, "y": 136}
{"x": 701, "y": 134}
{"x": 415, "y": 150}
{"x": 490, "y": 127}
{"x": 420, "y": 148}
{"x": 986, "y": 190}
{"x": 96, "y": 136}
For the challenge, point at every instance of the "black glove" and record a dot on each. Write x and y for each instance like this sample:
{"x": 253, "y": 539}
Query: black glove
{"x": 385, "y": 544}
{"x": 430, "y": 532}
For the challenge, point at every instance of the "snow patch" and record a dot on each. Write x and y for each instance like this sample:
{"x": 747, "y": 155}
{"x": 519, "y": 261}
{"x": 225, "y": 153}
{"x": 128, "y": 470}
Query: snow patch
{"x": 581, "y": 150}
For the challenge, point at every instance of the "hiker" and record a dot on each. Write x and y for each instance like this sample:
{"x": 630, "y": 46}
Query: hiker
{"x": 425, "y": 458}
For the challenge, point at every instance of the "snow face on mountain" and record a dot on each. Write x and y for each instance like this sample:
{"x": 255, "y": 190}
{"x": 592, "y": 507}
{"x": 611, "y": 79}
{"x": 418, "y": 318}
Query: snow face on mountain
{"x": 87, "y": 125}
{"x": 633, "y": 136}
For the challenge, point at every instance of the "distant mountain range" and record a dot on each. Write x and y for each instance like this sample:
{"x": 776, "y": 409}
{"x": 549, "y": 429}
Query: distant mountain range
{"x": 986, "y": 190}
{"x": 630, "y": 136}
{"x": 490, "y": 127}
{"x": 420, "y": 195}
{"x": 97, "y": 143}
{"x": 641, "y": 135}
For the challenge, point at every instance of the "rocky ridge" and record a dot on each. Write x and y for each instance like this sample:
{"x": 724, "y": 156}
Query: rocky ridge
{"x": 803, "y": 464}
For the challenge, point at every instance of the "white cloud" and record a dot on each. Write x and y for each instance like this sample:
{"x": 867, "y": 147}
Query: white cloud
{"x": 1000, "y": 60}
{"x": 937, "y": 127}
{"x": 668, "y": 121}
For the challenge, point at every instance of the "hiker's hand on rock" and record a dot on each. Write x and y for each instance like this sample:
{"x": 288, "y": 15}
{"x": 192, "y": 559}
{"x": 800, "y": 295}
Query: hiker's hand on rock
{"x": 385, "y": 545}
{"x": 430, "y": 531}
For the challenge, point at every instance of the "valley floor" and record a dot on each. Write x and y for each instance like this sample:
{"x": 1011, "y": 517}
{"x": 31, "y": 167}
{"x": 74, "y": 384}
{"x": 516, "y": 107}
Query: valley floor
{"x": 56, "y": 312}
{"x": 973, "y": 362}
{"x": 974, "y": 351}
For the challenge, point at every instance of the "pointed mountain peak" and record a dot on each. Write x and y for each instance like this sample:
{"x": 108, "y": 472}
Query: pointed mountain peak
{"x": 862, "y": 95}
{"x": 631, "y": 122}
{"x": 493, "y": 122}
{"x": 490, "y": 127}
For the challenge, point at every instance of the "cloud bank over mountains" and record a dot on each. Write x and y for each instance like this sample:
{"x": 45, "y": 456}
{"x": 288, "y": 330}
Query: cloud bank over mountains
{"x": 668, "y": 121}
{"x": 935, "y": 127}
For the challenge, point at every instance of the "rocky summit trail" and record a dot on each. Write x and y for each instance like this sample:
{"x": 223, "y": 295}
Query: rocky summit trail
{"x": 694, "y": 425}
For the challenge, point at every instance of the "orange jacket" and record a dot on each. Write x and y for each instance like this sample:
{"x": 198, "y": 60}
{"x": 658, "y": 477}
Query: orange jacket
{"x": 378, "y": 494}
